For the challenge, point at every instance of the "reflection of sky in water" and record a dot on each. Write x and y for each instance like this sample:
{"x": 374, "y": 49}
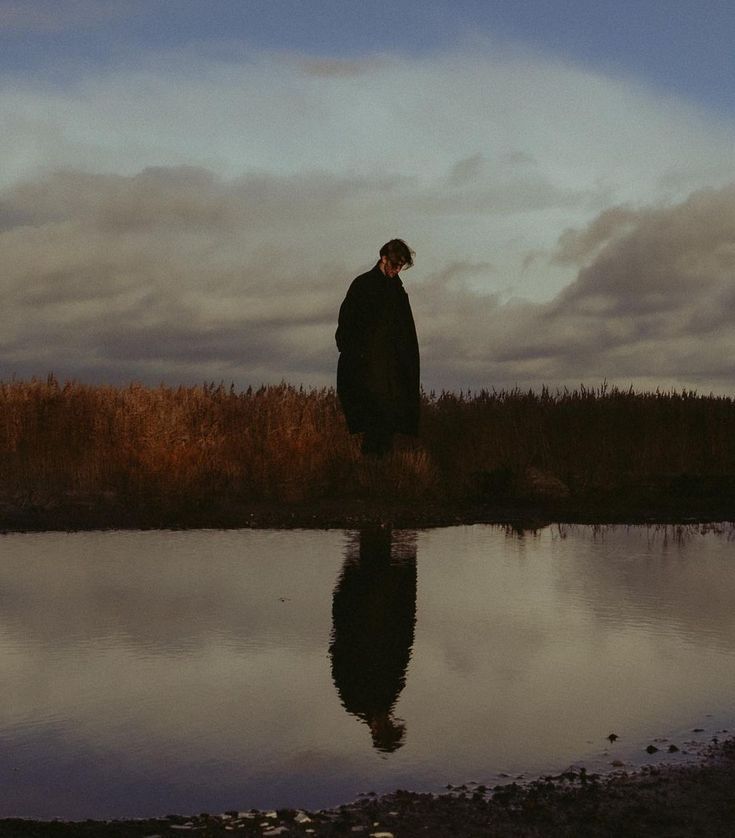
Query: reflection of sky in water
{"x": 151, "y": 672}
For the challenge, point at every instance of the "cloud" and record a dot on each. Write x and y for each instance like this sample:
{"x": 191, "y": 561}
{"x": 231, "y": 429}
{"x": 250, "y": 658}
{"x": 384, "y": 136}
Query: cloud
{"x": 504, "y": 149}
{"x": 178, "y": 274}
{"x": 653, "y": 303}
{"x": 174, "y": 270}
{"x": 189, "y": 218}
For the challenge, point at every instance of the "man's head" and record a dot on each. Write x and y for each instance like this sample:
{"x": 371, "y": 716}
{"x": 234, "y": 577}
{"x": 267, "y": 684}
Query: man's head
{"x": 395, "y": 256}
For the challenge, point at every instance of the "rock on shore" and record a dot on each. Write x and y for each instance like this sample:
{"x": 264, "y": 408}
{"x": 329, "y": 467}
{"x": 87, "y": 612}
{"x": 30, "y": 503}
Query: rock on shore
{"x": 676, "y": 802}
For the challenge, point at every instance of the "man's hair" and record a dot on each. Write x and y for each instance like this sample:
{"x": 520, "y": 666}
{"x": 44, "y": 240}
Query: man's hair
{"x": 398, "y": 251}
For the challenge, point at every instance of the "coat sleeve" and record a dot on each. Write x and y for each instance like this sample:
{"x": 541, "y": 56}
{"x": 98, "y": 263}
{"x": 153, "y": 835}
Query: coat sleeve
{"x": 351, "y": 323}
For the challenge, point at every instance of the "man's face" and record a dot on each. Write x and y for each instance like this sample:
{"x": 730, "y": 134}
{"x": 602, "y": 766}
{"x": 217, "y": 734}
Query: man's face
{"x": 390, "y": 268}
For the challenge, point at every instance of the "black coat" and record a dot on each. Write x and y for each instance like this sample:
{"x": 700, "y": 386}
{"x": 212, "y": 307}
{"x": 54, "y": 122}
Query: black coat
{"x": 378, "y": 369}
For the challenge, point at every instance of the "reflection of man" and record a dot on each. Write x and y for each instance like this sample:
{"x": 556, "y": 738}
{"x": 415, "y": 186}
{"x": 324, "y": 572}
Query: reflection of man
{"x": 378, "y": 370}
{"x": 374, "y": 613}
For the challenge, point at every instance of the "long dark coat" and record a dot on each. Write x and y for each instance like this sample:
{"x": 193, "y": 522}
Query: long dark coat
{"x": 378, "y": 369}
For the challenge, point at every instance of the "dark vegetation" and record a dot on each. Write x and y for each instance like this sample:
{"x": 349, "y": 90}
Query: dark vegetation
{"x": 73, "y": 455}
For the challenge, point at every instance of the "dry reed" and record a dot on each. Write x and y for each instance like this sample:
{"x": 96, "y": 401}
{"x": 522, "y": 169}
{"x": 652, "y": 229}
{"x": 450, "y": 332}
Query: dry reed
{"x": 190, "y": 447}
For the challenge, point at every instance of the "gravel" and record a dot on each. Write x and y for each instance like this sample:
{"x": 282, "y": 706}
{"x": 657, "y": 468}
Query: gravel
{"x": 673, "y": 801}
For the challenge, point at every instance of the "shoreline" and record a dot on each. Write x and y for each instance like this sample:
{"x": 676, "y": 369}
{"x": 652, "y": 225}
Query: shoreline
{"x": 663, "y": 800}
{"x": 83, "y": 514}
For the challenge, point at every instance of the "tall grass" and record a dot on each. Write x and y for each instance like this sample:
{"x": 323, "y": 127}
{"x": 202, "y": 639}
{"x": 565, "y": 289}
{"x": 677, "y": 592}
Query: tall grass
{"x": 589, "y": 438}
{"x": 193, "y": 446}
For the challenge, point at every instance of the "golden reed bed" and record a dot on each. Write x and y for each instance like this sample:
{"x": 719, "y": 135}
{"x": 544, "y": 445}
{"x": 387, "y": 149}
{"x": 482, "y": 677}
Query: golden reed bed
{"x": 191, "y": 448}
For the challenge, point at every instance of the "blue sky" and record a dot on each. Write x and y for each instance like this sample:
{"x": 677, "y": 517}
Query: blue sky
{"x": 681, "y": 46}
{"x": 187, "y": 188}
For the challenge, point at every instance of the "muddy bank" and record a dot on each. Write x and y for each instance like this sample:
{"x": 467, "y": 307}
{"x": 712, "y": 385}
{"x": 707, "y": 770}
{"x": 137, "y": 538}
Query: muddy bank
{"x": 387, "y": 491}
{"x": 693, "y": 800}
{"x": 641, "y": 505}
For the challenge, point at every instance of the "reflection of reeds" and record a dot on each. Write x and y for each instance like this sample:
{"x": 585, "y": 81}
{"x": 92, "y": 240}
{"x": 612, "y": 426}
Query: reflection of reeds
{"x": 196, "y": 445}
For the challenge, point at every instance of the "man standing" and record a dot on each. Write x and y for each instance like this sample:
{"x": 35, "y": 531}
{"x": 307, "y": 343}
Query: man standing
{"x": 378, "y": 370}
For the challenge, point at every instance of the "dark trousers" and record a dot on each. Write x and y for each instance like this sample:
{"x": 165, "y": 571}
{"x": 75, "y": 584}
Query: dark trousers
{"x": 377, "y": 442}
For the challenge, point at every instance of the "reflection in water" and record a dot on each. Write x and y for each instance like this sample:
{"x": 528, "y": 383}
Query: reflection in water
{"x": 373, "y": 619}
{"x": 524, "y": 655}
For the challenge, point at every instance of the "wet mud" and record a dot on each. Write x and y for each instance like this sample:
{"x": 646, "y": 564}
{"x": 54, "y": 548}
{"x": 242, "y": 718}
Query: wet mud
{"x": 99, "y": 513}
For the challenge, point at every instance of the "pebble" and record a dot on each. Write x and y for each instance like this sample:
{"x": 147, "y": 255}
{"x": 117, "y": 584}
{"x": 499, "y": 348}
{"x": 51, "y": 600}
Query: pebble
{"x": 277, "y": 830}
{"x": 381, "y": 835}
{"x": 302, "y": 817}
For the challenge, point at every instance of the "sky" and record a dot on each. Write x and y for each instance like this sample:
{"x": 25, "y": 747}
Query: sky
{"x": 187, "y": 188}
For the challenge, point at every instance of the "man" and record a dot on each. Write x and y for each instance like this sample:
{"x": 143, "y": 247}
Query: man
{"x": 378, "y": 370}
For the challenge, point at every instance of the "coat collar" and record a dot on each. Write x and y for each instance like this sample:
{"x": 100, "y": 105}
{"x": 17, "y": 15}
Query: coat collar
{"x": 387, "y": 279}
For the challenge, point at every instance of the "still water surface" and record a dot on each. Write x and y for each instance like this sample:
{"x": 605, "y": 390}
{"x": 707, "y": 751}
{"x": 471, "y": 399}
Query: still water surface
{"x": 153, "y": 672}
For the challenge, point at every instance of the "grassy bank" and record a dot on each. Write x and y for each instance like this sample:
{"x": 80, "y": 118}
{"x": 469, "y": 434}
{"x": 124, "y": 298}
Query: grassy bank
{"x": 209, "y": 454}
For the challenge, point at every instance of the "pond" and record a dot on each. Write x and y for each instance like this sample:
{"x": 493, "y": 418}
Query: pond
{"x": 154, "y": 672}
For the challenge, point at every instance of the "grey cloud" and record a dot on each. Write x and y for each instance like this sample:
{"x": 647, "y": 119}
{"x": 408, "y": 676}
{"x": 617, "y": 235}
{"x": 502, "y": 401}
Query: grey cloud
{"x": 71, "y": 286}
{"x": 172, "y": 266}
{"x": 467, "y": 170}
{"x": 11, "y": 216}
{"x": 185, "y": 196}
{"x": 577, "y": 246}
{"x": 653, "y": 303}
{"x": 666, "y": 259}
{"x": 475, "y": 166}
{"x": 509, "y": 184}
{"x": 650, "y": 290}
{"x": 176, "y": 274}
{"x": 259, "y": 342}
{"x": 518, "y": 157}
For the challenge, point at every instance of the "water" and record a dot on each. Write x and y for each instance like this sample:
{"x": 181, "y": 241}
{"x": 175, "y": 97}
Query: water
{"x": 153, "y": 672}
